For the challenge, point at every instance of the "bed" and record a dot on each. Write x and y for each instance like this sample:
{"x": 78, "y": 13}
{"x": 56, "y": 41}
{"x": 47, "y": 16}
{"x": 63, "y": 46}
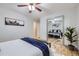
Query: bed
{"x": 23, "y": 47}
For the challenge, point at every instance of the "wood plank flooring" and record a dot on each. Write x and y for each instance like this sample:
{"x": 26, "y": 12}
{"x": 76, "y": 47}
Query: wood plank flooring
{"x": 60, "y": 48}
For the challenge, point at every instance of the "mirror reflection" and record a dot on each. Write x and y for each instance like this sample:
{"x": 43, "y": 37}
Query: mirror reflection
{"x": 56, "y": 28}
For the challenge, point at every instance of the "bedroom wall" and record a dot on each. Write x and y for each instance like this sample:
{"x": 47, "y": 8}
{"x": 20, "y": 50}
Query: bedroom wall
{"x": 8, "y": 32}
{"x": 69, "y": 20}
{"x": 77, "y": 25}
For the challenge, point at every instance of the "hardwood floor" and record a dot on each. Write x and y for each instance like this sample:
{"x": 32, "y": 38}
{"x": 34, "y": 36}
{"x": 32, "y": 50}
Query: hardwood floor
{"x": 57, "y": 45}
{"x": 60, "y": 48}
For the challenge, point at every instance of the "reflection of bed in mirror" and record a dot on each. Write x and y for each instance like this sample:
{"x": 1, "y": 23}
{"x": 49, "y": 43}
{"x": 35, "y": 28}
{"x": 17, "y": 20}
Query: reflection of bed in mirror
{"x": 55, "y": 27}
{"x": 55, "y": 33}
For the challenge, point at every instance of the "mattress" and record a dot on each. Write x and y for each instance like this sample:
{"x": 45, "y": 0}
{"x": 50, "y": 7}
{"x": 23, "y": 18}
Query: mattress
{"x": 19, "y": 48}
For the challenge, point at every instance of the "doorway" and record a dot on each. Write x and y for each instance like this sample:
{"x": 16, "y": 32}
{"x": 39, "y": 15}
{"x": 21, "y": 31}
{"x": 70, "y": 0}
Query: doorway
{"x": 36, "y": 29}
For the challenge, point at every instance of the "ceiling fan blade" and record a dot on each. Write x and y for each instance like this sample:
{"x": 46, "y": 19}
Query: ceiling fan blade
{"x": 38, "y": 9}
{"x": 37, "y": 3}
{"x": 22, "y": 5}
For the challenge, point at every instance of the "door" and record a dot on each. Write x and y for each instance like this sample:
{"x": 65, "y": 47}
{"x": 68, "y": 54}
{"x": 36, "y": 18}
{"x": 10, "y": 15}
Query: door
{"x": 36, "y": 29}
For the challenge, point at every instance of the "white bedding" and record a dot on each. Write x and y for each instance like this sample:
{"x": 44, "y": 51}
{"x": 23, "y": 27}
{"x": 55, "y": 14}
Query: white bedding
{"x": 19, "y": 48}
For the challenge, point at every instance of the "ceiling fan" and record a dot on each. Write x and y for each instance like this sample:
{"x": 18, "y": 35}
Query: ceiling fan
{"x": 31, "y": 7}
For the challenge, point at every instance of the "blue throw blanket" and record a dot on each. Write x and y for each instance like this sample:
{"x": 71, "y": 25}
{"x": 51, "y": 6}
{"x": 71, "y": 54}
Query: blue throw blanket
{"x": 43, "y": 47}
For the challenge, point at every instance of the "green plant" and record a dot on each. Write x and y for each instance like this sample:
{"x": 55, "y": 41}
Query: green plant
{"x": 70, "y": 34}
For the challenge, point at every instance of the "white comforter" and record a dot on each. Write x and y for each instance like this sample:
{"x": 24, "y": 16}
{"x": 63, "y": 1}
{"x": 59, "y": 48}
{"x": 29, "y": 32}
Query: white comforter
{"x": 19, "y": 48}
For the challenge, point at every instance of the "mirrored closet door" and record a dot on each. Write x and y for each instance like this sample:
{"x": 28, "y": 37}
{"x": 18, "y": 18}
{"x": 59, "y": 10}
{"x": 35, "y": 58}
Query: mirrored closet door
{"x": 55, "y": 28}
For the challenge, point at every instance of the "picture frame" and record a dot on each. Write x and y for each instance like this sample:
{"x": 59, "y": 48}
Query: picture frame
{"x": 12, "y": 21}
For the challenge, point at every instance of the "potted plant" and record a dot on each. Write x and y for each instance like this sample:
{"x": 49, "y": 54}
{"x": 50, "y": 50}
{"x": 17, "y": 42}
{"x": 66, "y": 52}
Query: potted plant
{"x": 70, "y": 34}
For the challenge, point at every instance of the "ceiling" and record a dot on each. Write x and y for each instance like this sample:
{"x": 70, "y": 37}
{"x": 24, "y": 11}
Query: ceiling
{"x": 47, "y": 8}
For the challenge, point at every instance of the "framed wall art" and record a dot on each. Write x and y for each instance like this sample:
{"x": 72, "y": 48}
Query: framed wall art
{"x": 11, "y": 21}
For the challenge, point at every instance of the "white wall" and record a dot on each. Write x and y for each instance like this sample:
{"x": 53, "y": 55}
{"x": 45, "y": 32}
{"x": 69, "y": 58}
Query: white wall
{"x": 43, "y": 29}
{"x": 77, "y": 25}
{"x": 8, "y": 32}
{"x": 69, "y": 20}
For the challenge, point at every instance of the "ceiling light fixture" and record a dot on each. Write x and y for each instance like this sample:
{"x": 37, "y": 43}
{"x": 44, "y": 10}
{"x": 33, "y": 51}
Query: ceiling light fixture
{"x": 31, "y": 7}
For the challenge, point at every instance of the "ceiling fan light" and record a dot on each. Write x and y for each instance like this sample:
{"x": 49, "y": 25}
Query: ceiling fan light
{"x": 30, "y": 7}
{"x": 33, "y": 8}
